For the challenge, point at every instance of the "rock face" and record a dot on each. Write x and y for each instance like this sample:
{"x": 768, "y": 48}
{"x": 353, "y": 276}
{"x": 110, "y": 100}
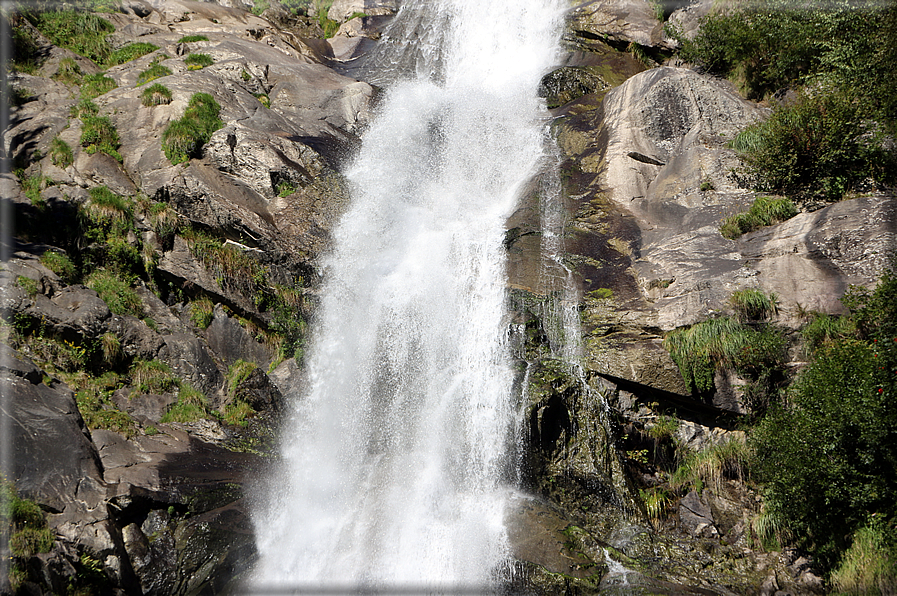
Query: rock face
{"x": 222, "y": 254}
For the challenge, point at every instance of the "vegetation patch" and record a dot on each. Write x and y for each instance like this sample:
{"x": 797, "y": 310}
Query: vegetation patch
{"x": 155, "y": 95}
{"x": 185, "y": 137}
{"x": 764, "y": 211}
{"x": 93, "y": 396}
{"x": 68, "y": 72}
{"x": 155, "y": 71}
{"x": 132, "y": 51}
{"x": 754, "y": 305}
{"x": 92, "y": 86}
{"x": 202, "y": 311}
{"x": 28, "y": 285}
{"x": 60, "y": 264}
{"x": 83, "y": 108}
{"x": 328, "y": 25}
{"x": 81, "y": 32}
{"x": 153, "y": 376}
{"x": 190, "y": 407}
{"x": 198, "y": 61}
{"x": 61, "y": 153}
{"x": 98, "y": 133}
{"x": 116, "y": 292}
{"x": 193, "y": 38}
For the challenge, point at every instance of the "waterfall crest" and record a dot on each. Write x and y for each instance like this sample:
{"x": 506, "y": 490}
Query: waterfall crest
{"x": 396, "y": 459}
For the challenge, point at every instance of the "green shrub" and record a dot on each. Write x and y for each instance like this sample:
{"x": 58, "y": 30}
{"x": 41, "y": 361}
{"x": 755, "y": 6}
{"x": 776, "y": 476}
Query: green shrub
{"x": 153, "y": 376}
{"x": 764, "y": 211}
{"x": 725, "y": 342}
{"x": 708, "y": 467}
{"x": 259, "y": 6}
{"x": 155, "y": 95}
{"x": 31, "y": 541}
{"x": 107, "y": 206}
{"x": 328, "y": 26}
{"x": 60, "y": 264}
{"x": 198, "y": 61}
{"x": 202, "y": 311}
{"x": 61, "y": 153}
{"x": 68, "y": 72}
{"x": 116, "y": 293}
{"x": 110, "y": 345}
{"x": 84, "y": 108}
{"x": 98, "y": 133}
{"x": 185, "y": 137}
{"x": 92, "y": 86}
{"x": 28, "y": 285}
{"x": 820, "y": 146}
{"x": 870, "y": 564}
{"x": 237, "y": 374}
{"x": 823, "y": 329}
{"x": 130, "y": 52}
{"x": 98, "y": 412}
{"x": 657, "y": 502}
{"x": 192, "y": 38}
{"x": 754, "y": 305}
{"x": 32, "y": 187}
{"x": 81, "y": 32}
{"x": 285, "y": 188}
{"x": 190, "y": 407}
{"x": 155, "y": 71}
{"x": 263, "y": 99}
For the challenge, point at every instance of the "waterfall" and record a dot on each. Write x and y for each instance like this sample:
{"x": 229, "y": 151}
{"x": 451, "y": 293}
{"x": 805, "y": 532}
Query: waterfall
{"x": 397, "y": 458}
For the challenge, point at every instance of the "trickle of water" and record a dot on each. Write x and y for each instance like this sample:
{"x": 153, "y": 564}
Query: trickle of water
{"x": 395, "y": 459}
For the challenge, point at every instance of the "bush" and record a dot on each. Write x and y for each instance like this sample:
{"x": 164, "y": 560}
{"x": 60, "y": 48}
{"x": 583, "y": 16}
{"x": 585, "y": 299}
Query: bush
{"x": 754, "y": 305}
{"x": 153, "y": 376}
{"x": 60, "y": 264}
{"x": 84, "y": 108}
{"x": 68, "y": 72}
{"x": 155, "y": 71}
{"x": 192, "y": 38}
{"x": 870, "y": 564}
{"x": 81, "y": 32}
{"x": 730, "y": 459}
{"x": 98, "y": 412}
{"x": 764, "y": 211}
{"x": 31, "y": 541}
{"x": 714, "y": 344}
{"x": 130, "y": 52}
{"x": 92, "y": 86}
{"x": 823, "y": 329}
{"x": 61, "y": 153}
{"x": 28, "y": 285}
{"x": 155, "y": 95}
{"x": 820, "y": 146}
{"x": 185, "y": 137}
{"x": 98, "y": 133}
{"x": 108, "y": 206}
{"x": 198, "y": 61}
{"x": 116, "y": 293}
{"x": 202, "y": 312}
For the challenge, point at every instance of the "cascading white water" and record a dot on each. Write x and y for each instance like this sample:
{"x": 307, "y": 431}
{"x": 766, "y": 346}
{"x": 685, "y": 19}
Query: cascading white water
{"x": 397, "y": 457}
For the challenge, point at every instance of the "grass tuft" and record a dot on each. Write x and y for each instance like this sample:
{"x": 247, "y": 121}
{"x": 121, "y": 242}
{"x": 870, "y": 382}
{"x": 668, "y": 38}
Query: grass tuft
{"x": 184, "y": 138}
{"x": 98, "y": 133}
{"x": 765, "y": 211}
{"x": 92, "y": 86}
{"x": 156, "y": 94}
{"x": 198, "y": 61}
{"x": 193, "y": 38}
{"x": 68, "y": 72}
{"x": 61, "y": 153}
{"x": 116, "y": 293}
{"x": 155, "y": 71}
{"x": 132, "y": 51}
{"x": 754, "y": 305}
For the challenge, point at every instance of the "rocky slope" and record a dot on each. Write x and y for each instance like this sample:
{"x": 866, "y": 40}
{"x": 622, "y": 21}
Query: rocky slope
{"x": 221, "y": 252}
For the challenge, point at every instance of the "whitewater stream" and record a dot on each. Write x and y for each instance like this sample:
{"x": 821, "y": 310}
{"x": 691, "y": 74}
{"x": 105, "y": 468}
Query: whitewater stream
{"x": 399, "y": 457}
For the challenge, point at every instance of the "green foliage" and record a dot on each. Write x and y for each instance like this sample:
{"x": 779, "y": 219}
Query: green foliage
{"x": 153, "y": 376}
{"x": 285, "y": 188}
{"x": 132, "y": 51}
{"x": 664, "y": 428}
{"x": 819, "y": 146}
{"x": 237, "y": 413}
{"x": 764, "y": 211}
{"x": 31, "y": 541}
{"x": 92, "y": 86}
{"x": 25, "y": 57}
{"x": 93, "y": 398}
{"x": 233, "y": 268}
{"x": 84, "y": 108}
{"x": 116, "y": 293}
{"x": 185, "y": 137}
{"x": 328, "y": 25}
{"x": 237, "y": 374}
{"x": 155, "y": 71}
{"x": 296, "y": 7}
{"x": 202, "y": 312}
{"x": 164, "y": 221}
{"x": 61, "y": 153}
{"x": 198, "y": 61}
{"x": 108, "y": 206}
{"x": 81, "y": 32}
{"x": 155, "y": 95}
{"x": 98, "y": 133}
{"x": 192, "y": 38}
{"x": 823, "y": 329}
{"x": 724, "y": 342}
{"x": 111, "y": 347}
{"x": 708, "y": 467}
{"x": 28, "y": 285}
{"x": 263, "y": 99}
{"x": 60, "y": 264}
{"x": 754, "y": 305}
{"x": 657, "y": 502}
{"x": 68, "y": 72}
{"x": 869, "y": 566}
{"x": 32, "y": 187}
{"x": 190, "y": 407}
